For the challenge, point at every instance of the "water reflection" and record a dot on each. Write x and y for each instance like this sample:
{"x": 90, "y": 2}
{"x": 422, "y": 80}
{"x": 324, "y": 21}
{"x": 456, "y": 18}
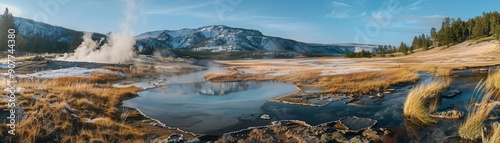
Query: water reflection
{"x": 187, "y": 106}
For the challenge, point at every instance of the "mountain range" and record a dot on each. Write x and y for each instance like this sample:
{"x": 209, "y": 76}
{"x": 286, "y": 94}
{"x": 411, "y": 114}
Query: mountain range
{"x": 42, "y": 37}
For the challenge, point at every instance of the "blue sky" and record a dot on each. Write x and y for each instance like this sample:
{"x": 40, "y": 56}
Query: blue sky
{"x": 314, "y": 21}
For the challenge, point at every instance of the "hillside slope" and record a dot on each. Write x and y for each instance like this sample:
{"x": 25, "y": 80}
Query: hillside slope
{"x": 218, "y": 38}
{"x": 40, "y": 37}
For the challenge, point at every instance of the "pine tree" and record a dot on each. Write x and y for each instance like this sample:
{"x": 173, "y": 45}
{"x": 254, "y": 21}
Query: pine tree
{"x": 478, "y": 29}
{"x": 428, "y": 43}
{"x": 422, "y": 42}
{"x": 403, "y": 49}
{"x": 382, "y": 51}
{"x": 6, "y": 23}
{"x": 362, "y": 54}
{"x": 434, "y": 35}
{"x": 347, "y": 54}
{"x": 497, "y": 31}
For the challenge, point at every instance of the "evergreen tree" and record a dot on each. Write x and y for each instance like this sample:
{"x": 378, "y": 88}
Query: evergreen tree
{"x": 478, "y": 29}
{"x": 6, "y": 23}
{"x": 382, "y": 52}
{"x": 403, "y": 48}
{"x": 347, "y": 54}
{"x": 497, "y": 31}
{"x": 422, "y": 42}
{"x": 428, "y": 43}
{"x": 415, "y": 41}
{"x": 433, "y": 34}
{"x": 363, "y": 54}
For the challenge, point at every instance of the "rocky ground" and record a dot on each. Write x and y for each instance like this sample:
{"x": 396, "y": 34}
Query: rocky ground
{"x": 349, "y": 129}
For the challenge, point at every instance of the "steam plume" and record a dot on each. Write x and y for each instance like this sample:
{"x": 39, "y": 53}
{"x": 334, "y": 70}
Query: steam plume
{"x": 119, "y": 47}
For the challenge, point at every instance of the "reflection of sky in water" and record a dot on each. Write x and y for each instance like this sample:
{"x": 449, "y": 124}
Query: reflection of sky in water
{"x": 182, "y": 105}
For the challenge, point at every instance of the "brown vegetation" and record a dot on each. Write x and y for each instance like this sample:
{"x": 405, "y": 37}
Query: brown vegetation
{"x": 493, "y": 80}
{"x": 365, "y": 82}
{"x": 415, "y": 105}
{"x": 79, "y": 109}
{"x": 127, "y": 71}
{"x": 473, "y": 126}
{"x": 494, "y": 135}
{"x": 439, "y": 71}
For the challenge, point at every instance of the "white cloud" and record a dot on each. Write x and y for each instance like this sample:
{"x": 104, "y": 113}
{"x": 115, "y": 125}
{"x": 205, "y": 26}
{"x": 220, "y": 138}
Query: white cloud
{"x": 339, "y": 4}
{"x": 416, "y": 5}
{"x": 339, "y": 10}
{"x": 12, "y": 9}
{"x": 363, "y": 14}
{"x": 338, "y": 14}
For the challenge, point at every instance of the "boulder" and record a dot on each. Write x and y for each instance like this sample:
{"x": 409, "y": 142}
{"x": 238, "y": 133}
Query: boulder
{"x": 265, "y": 117}
{"x": 355, "y": 124}
{"x": 450, "y": 93}
{"x": 38, "y": 58}
{"x": 451, "y": 114}
{"x": 380, "y": 95}
{"x": 355, "y": 102}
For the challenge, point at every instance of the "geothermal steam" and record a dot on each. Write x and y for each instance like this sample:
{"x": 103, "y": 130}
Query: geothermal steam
{"x": 118, "y": 48}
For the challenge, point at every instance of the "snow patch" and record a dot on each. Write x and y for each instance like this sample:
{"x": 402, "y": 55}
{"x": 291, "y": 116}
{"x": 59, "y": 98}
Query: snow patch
{"x": 19, "y": 89}
{"x": 74, "y": 71}
{"x": 281, "y": 73}
{"x": 143, "y": 85}
{"x": 6, "y": 65}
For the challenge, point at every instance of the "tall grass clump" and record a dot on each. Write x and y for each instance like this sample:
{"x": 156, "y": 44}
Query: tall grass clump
{"x": 477, "y": 113}
{"x": 416, "y": 102}
{"x": 494, "y": 135}
{"x": 443, "y": 71}
{"x": 493, "y": 80}
{"x": 365, "y": 82}
{"x": 439, "y": 71}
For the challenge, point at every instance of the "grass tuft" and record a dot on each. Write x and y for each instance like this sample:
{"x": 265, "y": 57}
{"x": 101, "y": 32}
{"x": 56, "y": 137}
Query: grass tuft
{"x": 129, "y": 72}
{"x": 439, "y": 71}
{"x": 366, "y": 82}
{"x": 419, "y": 96}
{"x": 493, "y": 80}
{"x": 472, "y": 127}
{"x": 494, "y": 135}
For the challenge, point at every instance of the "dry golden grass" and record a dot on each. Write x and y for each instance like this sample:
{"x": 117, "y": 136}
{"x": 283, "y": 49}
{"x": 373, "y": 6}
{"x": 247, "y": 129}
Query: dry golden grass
{"x": 443, "y": 71}
{"x": 439, "y": 71}
{"x": 472, "y": 127}
{"x": 494, "y": 135}
{"x": 419, "y": 96}
{"x": 97, "y": 77}
{"x": 61, "y": 113}
{"x": 433, "y": 104}
{"x": 49, "y": 119}
{"x": 365, "y": 82}
{"x": 132, "y": 73}
{"x": 493, "y": 80}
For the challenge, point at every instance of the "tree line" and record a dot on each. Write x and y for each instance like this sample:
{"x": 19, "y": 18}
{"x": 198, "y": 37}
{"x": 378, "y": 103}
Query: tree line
{"x": 362, "y": 54}
{"x": 455, "y": 31}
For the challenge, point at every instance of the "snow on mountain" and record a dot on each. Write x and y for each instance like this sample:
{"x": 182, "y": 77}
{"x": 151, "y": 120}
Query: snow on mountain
{"x": 218, "y": 38}
{"x": 213, "y": 38}
{"x": 42, "y": 37}
{"x": 31, "y": 29}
